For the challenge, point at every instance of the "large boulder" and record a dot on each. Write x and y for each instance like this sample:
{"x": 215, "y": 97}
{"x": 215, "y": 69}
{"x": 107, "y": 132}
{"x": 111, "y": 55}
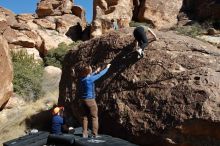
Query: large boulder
{"x": 67, "y": 22}
{"x": 160, "y": 13}
{"x": 80, "y": 12}
{"x": 51, "y": 39}
{"x": 50, "y": 84}
{"x": 6, "y": 87}
{"x": 169, "y": 97}
{"x": 54, "y": 7}
{"x": 106, "y": 10}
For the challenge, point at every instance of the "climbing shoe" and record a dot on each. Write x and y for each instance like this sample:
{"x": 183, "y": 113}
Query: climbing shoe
{"x": 140, "y": 53}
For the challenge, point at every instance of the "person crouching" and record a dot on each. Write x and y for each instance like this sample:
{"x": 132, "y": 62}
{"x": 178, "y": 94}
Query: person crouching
{"x": 58, "y": 123}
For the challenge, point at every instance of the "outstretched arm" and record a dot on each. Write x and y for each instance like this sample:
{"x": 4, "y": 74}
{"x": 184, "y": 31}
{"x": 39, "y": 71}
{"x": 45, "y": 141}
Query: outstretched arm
{"x": 100, "y": 74}
{"x": 151, "y": 31}
{"x": 96, "y": 71}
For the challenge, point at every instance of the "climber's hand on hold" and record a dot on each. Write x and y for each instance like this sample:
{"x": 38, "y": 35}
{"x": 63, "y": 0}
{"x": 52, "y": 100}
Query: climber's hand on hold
{"x": 98, "y": 70}
{"x": 108, "y": 65}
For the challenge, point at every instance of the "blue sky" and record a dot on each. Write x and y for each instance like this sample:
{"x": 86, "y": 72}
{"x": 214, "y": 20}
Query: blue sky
{"x": 29, "y": 6}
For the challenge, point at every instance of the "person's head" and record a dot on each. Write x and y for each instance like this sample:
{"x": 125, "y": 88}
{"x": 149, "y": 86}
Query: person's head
{"x": 86, "y": 71}
{"x": 57, "y": 110}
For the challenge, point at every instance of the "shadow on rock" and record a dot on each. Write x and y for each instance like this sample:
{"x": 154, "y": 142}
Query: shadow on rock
{"x": 40, "y": 121}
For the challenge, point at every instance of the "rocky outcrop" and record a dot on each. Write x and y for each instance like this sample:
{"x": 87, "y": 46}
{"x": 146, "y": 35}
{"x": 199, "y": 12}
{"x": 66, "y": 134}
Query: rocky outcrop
{"x": 8, "y": 16}
{"x": 160, "y": 13}
{"x": 79, "y": 12}
{"x": 45, "y": 23}
{"x": 46, "y": 32}
{"x": 67, "y": 22}
{"x": 54, "y": 7}
{"x": 51, "y": 39}
{"x": 169, "y": 97}
{"x": 36, "y": 35}
{"x": 6, "y": 87}
{"x": 106, "y": 10}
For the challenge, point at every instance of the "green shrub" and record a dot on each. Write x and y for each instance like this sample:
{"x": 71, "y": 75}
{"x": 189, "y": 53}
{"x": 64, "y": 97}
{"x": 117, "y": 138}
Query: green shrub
{"x": 135, "y": 24}
{"x": 55, "y": 57}
{"x": 27, "y": 76}
{"x": 192, "y": 31}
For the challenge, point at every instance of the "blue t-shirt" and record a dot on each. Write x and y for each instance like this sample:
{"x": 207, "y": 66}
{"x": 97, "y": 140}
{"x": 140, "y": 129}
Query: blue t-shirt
{"x": 87, "y": 86}
{"x": 57, "y": 122}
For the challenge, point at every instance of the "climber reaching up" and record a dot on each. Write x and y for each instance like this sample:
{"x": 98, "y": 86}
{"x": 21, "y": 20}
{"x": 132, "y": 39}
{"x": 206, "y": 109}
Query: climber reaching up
{"x": 87, "y": 94}
{"x": 141, "y": 38}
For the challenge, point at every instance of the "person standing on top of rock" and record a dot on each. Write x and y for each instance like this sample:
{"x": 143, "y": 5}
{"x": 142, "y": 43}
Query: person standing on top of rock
{"x": 114, "y": 24}
{"x": 141, "y": 38}
{"x": 87, "y": 95}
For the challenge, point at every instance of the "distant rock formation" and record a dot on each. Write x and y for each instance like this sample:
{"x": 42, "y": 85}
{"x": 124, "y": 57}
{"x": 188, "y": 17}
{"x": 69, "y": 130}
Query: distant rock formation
{"x": 6, "y": 87}
{"x": 54, "y": 7}
{"x": 160, "y": 13}
{"x": 45, "y": 32}
{"x": 106, "y": 10}
{"x": 169, "y": 97}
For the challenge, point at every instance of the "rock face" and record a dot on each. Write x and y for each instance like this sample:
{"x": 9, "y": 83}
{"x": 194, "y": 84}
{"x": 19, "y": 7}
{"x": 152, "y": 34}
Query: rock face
{"x": 171, "y": 96}
{"x": 80, "y": 12}
{"x": 54, "y": 7}
{"x": 203, "y": 9}
{"x": 6, "y": 88}
{"x": 106, "y": 10}
{"x": 51, "y": 79}
{"x": 160, "y": 13}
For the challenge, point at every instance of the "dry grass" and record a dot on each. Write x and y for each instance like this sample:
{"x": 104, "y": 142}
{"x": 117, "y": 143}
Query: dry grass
{"x": 13, "y": 121}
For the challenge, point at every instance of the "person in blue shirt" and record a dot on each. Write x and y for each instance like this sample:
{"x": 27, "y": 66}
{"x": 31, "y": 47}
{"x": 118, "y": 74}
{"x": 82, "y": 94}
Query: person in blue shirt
{"x": 87, "y": 94}
{"x": 58, "y": 124}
